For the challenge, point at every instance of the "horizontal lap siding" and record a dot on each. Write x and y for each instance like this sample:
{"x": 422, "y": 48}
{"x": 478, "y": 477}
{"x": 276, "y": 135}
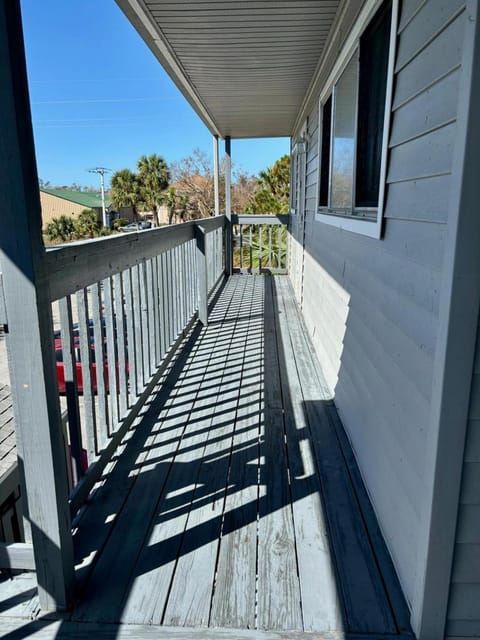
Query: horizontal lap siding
{"x": 371, "y": 306}
{"x": 464, "y": 604}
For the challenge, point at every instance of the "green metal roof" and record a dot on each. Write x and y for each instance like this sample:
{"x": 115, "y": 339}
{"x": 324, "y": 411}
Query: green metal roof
{"x": 84, "y": 198}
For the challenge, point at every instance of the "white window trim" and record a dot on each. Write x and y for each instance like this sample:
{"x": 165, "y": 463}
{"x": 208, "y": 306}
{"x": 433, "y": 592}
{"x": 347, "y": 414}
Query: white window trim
{"x": 371, "y": 228}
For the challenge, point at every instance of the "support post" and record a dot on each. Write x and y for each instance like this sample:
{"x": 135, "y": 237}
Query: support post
{"x": 228, "y": 208}
{"x": 39, "y": 432}
{"x": 216, "y": 176}
{"x": 201, "y": 241}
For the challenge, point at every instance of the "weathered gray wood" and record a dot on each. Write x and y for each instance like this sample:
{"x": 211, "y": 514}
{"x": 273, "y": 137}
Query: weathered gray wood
{"x": 156, "y": 310}
{"x": 366, "y": 605}
{"x": 87, "y": 379}
{"x": 71, "y": 392}
{"x": 76, "y": 266}
{"x": 17, "y": 555}
{"x": 233, "y": 602}
{"x": 110, "y": 333}
{"x": 189, "y": 602}
{"x": 119, "y": 368}
{"x": 201, "y": 248}
{"x": 279, "y": 594}
{"x": 131, "y": 337}
{"x": 137, "y": 323}
{"x": 40, "y": 441}
{"x": 152, "y": 333}
{"x": 82, "y": 490}
{"x": 316, "y": 569}
{"x": 100, "y": 363}
{"x": 255, "y": 219}
{"x": 65, "y": 630}
{"x": 117, "y": 564}
{"x": 144, "y": 319}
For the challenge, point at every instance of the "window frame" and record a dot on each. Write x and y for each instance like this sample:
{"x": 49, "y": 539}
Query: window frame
{"x": 359, "y": 219}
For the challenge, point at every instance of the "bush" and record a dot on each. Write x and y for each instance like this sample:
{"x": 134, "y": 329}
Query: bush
{"x": 87, "y": 224}
{"x": 120, "y": 222}
{"x": 61, "y": 229}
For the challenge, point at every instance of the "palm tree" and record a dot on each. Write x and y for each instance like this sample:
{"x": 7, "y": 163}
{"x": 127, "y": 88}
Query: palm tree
{"x": 153, "y": 176}
{"x": 125, "y": 190}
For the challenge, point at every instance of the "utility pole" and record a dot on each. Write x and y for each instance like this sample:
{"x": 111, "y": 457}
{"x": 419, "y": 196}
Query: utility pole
{"x": 102, "y": 171}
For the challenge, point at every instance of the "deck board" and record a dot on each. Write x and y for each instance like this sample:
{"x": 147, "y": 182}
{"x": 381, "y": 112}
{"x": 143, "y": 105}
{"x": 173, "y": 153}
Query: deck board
{"x": 233, "y": 504}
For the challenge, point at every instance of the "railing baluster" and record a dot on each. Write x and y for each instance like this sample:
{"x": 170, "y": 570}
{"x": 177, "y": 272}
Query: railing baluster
{"x": 279, "y": 241}
{"x": 270, "y": 247}
{"x": 156, "y": 310}
{"x": 144, "y": 321}
{"x": 166, "y": 297}
{"x": 100, "y": 360}
{"x": 87, "y": 379}
{"x": 178, "y": 285}
{"x": 71, "y": 392}
{"x": 171, "y": 296}
{"x": 260, "y": 248}
{"x": 241, "y": 245}
{"x": 108, "y": 295}
{"x": 131, "y": 343}
{"x": 121, "y": 364}
{"x": 161, "y": 308}
{"x": 151, "y": 317}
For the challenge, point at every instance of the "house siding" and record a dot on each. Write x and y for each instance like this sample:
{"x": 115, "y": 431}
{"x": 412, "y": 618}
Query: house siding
{"x": 463, "y": 618}
{"x": 371, "y": 306}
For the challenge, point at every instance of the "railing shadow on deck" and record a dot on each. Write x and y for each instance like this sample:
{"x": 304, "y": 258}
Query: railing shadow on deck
{"x": 267, "y": 428}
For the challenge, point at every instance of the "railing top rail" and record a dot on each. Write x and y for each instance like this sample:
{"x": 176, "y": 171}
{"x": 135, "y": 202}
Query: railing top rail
{"x": 254, "y": 218}
{"x": 78, "y": 265}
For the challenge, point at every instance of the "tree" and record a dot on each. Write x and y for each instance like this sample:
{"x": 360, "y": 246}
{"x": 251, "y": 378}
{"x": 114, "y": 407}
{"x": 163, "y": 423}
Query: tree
{"x": 176, "y": 204}
{"x": 125, "y": 190}
{"x": 88, "y": 224}
{"x": 272, "y": 193}
{"x": 61, "y": 229}
{"x": 153, "y": 177}
{"x": 193, "y": 177}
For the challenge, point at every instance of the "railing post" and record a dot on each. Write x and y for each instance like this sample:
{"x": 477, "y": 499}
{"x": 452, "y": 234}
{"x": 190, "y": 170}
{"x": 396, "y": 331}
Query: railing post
{"x": 40, "y": 438}
{"x": 228, "y": 208}
{"x": 202, "y": 274}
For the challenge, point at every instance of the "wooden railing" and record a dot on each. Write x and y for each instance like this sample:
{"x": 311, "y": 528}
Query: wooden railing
{"x": 259, "y": 243}
{"x": 123, "y": 306}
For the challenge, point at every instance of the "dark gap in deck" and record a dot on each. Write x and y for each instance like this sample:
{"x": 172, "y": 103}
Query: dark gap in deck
{"x": 236, "y": 503}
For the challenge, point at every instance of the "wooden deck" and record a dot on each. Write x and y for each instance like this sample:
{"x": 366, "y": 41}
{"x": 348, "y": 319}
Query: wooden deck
{"x": 235, "y": 504}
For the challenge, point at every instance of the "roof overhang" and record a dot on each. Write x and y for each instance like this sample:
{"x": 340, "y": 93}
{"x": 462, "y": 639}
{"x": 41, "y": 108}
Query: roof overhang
{"x": 244, "y": 65}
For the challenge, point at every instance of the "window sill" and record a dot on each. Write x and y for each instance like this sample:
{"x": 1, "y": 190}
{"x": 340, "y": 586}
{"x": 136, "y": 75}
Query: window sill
{"x": 348, "y": 222}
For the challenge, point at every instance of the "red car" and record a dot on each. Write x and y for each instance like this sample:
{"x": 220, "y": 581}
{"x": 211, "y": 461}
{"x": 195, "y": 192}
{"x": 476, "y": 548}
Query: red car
{"x": 78, "y": 364}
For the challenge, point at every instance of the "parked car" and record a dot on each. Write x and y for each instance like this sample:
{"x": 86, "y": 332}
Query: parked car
{"x": 78, "y": 361}
{"x": 136, "y": 226}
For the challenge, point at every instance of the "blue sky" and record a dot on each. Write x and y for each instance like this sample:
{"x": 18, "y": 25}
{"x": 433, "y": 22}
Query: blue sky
{"x": 100, "y": 98}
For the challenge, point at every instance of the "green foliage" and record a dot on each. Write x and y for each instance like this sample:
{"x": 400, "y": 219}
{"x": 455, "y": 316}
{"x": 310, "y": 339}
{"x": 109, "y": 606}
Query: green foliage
{"x": 120, "y": 222}
{"x": 87, "y": 224}
{"x": 61, "y": 229}
{"x": 153, "y": 177}
{"x": 177, "y": 204}
{"x": 263, "y": 247}
{"x": 272, "y": 192}
{"x": 125, "y": 190}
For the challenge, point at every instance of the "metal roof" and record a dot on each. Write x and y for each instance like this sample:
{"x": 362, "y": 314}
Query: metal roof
{"x": 87, "y": 199}
{"x": 244, "y": 65}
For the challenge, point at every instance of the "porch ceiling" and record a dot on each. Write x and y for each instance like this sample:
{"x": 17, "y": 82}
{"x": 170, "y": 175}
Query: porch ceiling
{"x": 244, "y": 65}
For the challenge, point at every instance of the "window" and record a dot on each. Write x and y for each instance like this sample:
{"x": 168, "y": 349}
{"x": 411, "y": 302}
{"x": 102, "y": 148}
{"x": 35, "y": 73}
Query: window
{"x": 353, "y": 120}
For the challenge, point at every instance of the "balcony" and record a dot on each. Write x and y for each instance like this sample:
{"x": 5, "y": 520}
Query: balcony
{"x": 210, "y": 482}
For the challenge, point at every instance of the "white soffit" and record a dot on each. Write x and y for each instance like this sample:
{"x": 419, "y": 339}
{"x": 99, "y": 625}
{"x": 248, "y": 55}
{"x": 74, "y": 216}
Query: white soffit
{"x": 244, "y": 65}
